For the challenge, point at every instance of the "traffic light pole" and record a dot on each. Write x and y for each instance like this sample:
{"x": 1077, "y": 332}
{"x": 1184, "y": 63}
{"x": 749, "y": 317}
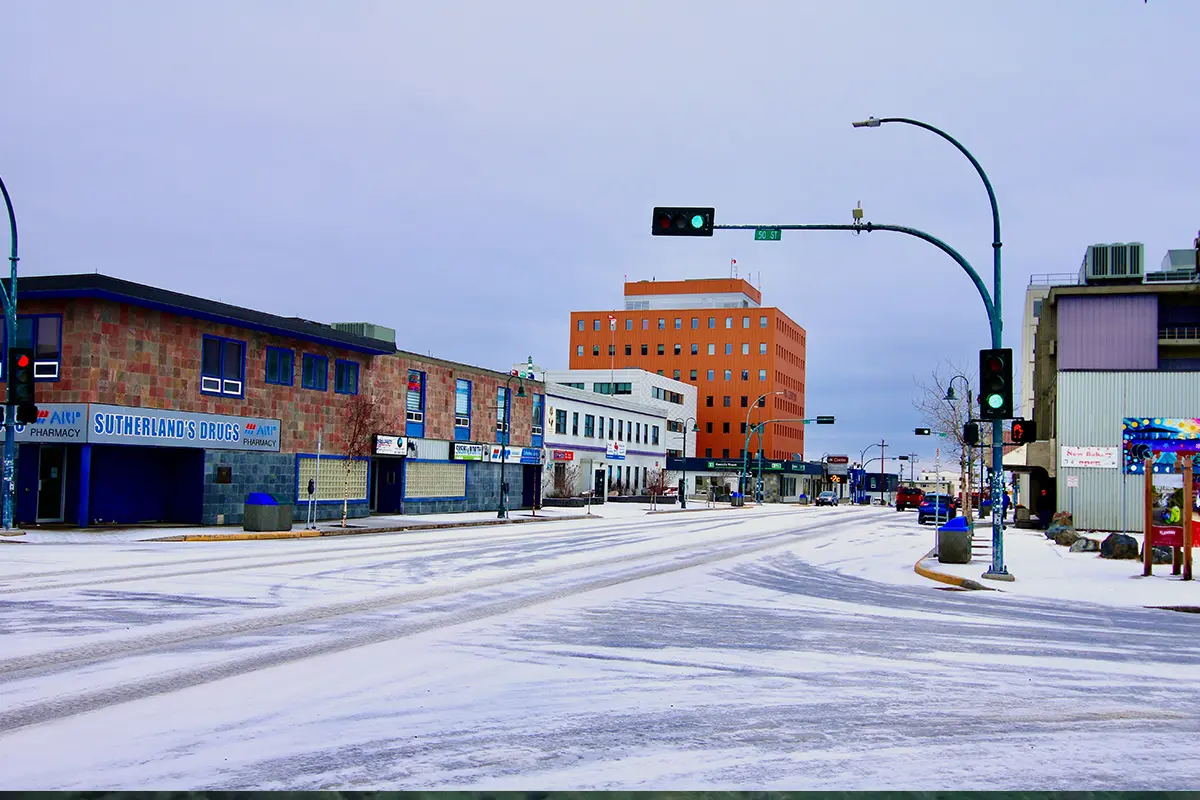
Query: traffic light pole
{"x": 9, "y": 297}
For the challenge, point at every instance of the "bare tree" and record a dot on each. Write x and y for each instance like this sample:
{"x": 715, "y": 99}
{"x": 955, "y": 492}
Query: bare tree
{"x": 658, "y": 480}
{"x": 362, "y": 417}
{"x": 564, "y": 478}
{"x": 947, "y": 418}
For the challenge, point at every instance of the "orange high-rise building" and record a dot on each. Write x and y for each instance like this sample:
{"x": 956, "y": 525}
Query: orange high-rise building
{"x": 713, "y": 333}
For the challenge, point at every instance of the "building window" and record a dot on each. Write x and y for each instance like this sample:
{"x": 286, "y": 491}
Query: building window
{"x": 574, "y": 385}
{"x": 41, "y": 333}
{"x": 600, "y": 429}
{"x": 538, "y": 408}
{"x": 645, "y": 349}
{"x": 222, "y": 366}
{"x": 628, "y": 349}
{"x": 662, "y": 324}
{"x": 345, "y": 377}
{"x": 637, "y": 433}
{"x": 462, "y": 409}
{"x": 695, "y": 349}
{"x": 712, "y": 322}
{"x": 314, "y": 372}
{"x": 661, "y": 350}
{"x": 1037, "y": 308}
{"x": 762, "y": 348}
{"x": 610, "y": 427}
{"x": 621, "y": 430}
{"x": 695, "y": 323}
{"x": 612, "y": 350}
{"x": 575, "y": 423}
{"x": 595, "y": 324}
{"x": 414, "y": 399}
{"x": 762, "y": 402}
{"x": 725, "y": 452}
{"x": 692, "y": 375}
{"x": 581, "y": 325}
{"x": 560, "y": 422}
{"x": 762, "y": 374}
{"x": 678, "y": 323}
{"x": 724, "y": 427}
{"x": 727, "y": 401}
{"x": 281, "y": 366}
{"x": 712, "y": 349}
{"x": 708, "y": 401}
{"x": 502, "y": 414}
{"x": 708, "y": 427}
{"x": 745, "y": 401}
{"x": 595, "y": 350}
{"x": 589, "y": 426}
{"x": 708, "y": 452}
{"x": 743, "y": 428}
{"x": 745, "y": 374}
{"x": 629, "y": 324}
{"x": 762, "y": 322}
{"x": 579, "y": 350}
{"x": 728, "y": 348}
{"x": 645, "y": 324}
{"x": 745, "y": 348}
{"x": 729, "y": 322}
{"x": 728, "y": 374}
{"x": 678, "y": 349}
{"x": 712, "y": 374}
{"x": 745, "y": 322}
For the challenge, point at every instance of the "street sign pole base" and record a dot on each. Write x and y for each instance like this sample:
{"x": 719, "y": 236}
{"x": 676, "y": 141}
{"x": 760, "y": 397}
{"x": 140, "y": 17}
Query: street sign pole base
{"x": 998, "y": 576}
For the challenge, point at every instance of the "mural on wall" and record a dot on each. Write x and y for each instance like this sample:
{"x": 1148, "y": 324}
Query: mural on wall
{"x": 1175, "y": 438}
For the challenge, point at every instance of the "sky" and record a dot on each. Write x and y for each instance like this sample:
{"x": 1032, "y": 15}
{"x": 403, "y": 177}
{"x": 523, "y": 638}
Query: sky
{"x": 470, "y": 173}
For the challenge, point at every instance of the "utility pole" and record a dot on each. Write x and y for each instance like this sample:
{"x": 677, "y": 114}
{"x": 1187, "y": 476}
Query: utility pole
{"x": 10, "y": 331}
{"x": 882, "y": 474}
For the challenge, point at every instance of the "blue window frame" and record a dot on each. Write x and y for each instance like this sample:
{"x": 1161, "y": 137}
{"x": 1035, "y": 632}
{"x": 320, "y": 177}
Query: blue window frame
{"x": 537, "y": 429}
{"x": 222, "y": 366}
{"x": 345, "y": 377}
{"x": 503, "y": 415}
{"x": 314, "y": 372}
{"x": 281, "y": 366}
{"x": 462, "y": 410}
{"x": 41, "y": 333}
{"x": 414, "y": 404}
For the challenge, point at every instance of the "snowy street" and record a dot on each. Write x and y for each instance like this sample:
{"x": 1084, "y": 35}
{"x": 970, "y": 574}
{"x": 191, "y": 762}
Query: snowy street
{"x": 735, "y": 648}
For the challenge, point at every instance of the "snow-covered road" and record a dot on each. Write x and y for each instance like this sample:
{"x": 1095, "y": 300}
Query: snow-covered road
{"x": 688, "y": 650}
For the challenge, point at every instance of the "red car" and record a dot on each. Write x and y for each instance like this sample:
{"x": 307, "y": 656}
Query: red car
{"x": 908, "y": 497}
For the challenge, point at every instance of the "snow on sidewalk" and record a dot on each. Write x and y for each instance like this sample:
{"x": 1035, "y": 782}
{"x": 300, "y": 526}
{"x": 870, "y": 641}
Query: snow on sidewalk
{"x": 888, "y": 545}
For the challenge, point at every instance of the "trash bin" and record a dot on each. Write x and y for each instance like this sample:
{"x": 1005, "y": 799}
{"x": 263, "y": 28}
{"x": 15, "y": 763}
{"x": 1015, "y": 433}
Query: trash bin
{"x": 286, "y": 512}
{"x": 737, "y": 499}
{"x": 262, "y": 512}
{"x": 954, "y": 542}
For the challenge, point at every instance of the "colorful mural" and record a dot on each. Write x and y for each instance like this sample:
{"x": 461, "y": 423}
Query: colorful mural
{"x": 1174, "y": 438}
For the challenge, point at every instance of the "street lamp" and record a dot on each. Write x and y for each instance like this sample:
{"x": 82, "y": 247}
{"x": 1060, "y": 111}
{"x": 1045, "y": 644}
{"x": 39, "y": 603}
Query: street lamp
{"x": 9, "y": 298}
{"x": 998, "y": 571}
{"x": 683, "y": 431}
{"x": 964, "y": 458}
{"x": 502, "y": 512}
{"x": 746, "y": 448}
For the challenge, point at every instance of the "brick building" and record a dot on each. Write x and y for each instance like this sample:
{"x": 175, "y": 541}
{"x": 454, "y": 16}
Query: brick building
{"x": 156, "y": 406}
{"x": 714, "y": 334}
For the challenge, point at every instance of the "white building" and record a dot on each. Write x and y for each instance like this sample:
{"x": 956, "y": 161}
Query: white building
{"x": 676, "y": 400}
{"x": 588, "y": 433}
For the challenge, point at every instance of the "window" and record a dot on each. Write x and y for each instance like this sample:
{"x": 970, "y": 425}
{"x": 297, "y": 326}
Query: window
{"x": 621, "y": 429}
{"x": 414, "y": 401}
{"x": 462, "y": 409}
{"x": 762, "y": 348}
{"x": 595, "y": 324}
{"x": 654, "y": 435}
{"x": 579, "y": 350}
{"x": 628, "y": 349}
{"x": 560, "y": 422}
{"x": 678, "y": 349}
{"x": 581, "y": 325}
{"x": 600, "y": 430}
{"x": 727, "y": 401}
{"x": 575, "y": 423}
{"x": 637, "y": 433}
{"x": 725, "y": 452}
{"x": 743, "y": 428}
{"x": 661, "y": 350}
{"x": 762, "y": 402}
{"x": 595, "y": 350}
{"x": 1037, "y": 308}
{"x": 762, "y": 322}
{"x": 745, "y": 374}
{"x": 695, "y": 349}
{"x": 607, "y": 388}
{"x": 762, "y": 374}
{"x": 314, "y": 372}
{"x": 695, "y": 323}
{"x": 708, "y": 401}
{"x": 660, "y": 372}
{"x": 345, "y": 377}
{"x": 612, "y": 350}
{"x": 708, "y": 452}
{"x": 745, "y": 348}
{"x": 574, "y": 385}
{"x": 724, "y": 427}
{"x": 708, "y": 427}
{"x": 222, "y": 364}
{"x": 692, "y": 375}
{"x": 728, "y": 374}
{"x": 645, "y": 324}
{"x": 678, "y": 323}
{"x": 712, "y": 349}
{"x": 712, "y": 322}
{"x": 281, "y": 366}
{"x": 589, "y": 426}
{"x": 675, "y": 374}
{"x": 729, "y": 322}
{"x": 662, "y": 324}
{"x": 745, "y": 322}
{"x": 645, "y": 349}
{"x": 745, "y": 401}
{"x": 610, "y": 427}
{"x": 502, "y": 413}
{"x": 539, "y": 410}
{"x": 728, "y": 348}
{"x": 712, "y": 374}
{"x": 629, "y": 324}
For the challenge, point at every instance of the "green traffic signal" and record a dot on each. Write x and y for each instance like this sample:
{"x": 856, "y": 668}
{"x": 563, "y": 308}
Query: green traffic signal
{"x": 697, "y": 221}
{"x": 995, "y": 401}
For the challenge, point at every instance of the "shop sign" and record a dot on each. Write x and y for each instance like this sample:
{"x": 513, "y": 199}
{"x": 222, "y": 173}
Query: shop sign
{"x": 839, "y": 459}
{"x": 562, "y": 455}
{"x": 1094, "y": 457}
{"x": 615, "y": 451}
{"x": 56, "y": 422}
{"x": 464, "y": 451}
{"x": 387, "y": 445}
{"x": 144, "y": 426}
{"x": 515, "y": 455}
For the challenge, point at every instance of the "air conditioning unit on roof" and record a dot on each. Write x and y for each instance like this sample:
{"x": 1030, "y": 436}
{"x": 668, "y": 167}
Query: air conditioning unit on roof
{"x": 1113, "y": 263}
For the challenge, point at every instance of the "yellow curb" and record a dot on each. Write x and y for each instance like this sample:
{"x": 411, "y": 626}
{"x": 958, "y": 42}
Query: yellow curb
{"x": 242, "y": 537}
{"x": 941, "y": 577}
{"x": 12, "y": 533}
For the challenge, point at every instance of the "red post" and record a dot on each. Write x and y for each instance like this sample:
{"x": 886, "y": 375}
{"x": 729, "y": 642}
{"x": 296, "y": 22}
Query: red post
{"x": 1147, "y": 537}
{"x": 1188, "y": 501}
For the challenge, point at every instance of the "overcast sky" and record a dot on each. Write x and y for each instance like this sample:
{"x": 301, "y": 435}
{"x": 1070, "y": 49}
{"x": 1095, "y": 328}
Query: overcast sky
{"x": 470, "y": 172}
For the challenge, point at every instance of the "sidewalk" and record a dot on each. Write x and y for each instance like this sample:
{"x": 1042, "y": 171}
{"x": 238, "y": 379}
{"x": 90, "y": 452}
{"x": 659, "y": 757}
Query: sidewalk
{"x": 387, "y": 523}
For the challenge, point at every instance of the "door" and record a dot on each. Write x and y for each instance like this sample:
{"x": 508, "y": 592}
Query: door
{"x": 388, "y": 495}
{"x": 52, "y": 483}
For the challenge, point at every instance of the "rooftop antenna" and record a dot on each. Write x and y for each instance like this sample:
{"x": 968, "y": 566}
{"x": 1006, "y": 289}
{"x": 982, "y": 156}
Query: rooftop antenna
{"x": 733, "y": 267}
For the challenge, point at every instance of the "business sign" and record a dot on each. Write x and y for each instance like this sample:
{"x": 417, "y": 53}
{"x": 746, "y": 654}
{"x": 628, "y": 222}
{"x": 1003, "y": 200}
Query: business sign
{"x": 1093, "y": 457}
{"x": 838, "y": 459}
{"x": 1143, "y": 435}
{"x": 464, "y": 451}
{"x": 391, "y": 445}
{"x": 562, "y": 455}
{"x": 615, "y": 451}
{"x": 146, "y": 426}
{"x": 56, "y": 422}
{"x": 515, "y": 455}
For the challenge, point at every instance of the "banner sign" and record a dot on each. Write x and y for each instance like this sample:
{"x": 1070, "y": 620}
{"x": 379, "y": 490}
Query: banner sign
{"x": 390, "y": 445}
{"x": 563, "y": 455}
{"x": 464, "y": 451}
{"x": 144, "y": 426}
{"x": 56, "y": 422}
{"x": 1167, "y": 512}
{"x": 615, "y": 451}
{"x": 1143, "y": 435}
{"x": 1090, "y": 457}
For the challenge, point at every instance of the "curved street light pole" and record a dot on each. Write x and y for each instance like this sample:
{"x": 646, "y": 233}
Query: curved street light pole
{"x": 998, "y": 571}
{"x": 746, "y": 449}
{"x": 684, "y": 433}
{"x": 9, "y": 297}
{"x": 964, "y": 458}
{"x": 505, "y": 422}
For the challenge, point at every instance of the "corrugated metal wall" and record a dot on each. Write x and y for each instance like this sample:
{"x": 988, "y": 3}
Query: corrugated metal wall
{"x": 1108, "y": 332}
{"x": 1091, "y": 406}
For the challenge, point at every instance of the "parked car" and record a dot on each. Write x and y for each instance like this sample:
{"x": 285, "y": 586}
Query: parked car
{"x": 908, "y": 497}
{"x": 827, "y": 499}
{"x": 936, "y": 507}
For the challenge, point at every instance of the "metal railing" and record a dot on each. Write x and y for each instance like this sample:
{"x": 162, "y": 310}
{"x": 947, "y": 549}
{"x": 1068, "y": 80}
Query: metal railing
{"x": 1054, "y": 279}
{"x": 1180, "y": 334}
{"x": 1172, "y": 276}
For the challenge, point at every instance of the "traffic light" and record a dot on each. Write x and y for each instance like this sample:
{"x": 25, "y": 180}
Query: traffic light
{"x": 922, "y": 431}
{"x": 20, "y": 384}
{"x": 825, "y": 420}
{"x": 971, "y": 434}
{"x": 683, "y": 222}
{"x": 995, "y": 384}
{"x": 1024, "y": 431}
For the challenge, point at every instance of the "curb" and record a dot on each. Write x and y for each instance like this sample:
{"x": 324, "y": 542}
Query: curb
{"x": 312, "y": 534}
{"x": 953, "y": 580}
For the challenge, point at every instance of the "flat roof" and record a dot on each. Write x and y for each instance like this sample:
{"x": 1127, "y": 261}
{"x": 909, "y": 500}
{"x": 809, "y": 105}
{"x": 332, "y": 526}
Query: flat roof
{"x": 693, "y": 286}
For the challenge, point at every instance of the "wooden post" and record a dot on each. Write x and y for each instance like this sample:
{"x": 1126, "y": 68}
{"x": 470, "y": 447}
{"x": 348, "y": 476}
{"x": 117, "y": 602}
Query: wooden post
{"x": 1188, "y": 501}
{"x": 1147, "y": 548}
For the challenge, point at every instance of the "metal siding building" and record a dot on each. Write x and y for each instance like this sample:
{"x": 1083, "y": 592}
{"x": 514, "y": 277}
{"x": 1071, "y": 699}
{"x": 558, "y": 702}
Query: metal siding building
{"x": 1091, "y": 407}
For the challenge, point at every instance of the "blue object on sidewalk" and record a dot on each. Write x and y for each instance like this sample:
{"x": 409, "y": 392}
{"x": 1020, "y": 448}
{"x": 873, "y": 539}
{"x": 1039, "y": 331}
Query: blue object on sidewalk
{"x": 956, "y": 524}
{"x": 260, "y": 499}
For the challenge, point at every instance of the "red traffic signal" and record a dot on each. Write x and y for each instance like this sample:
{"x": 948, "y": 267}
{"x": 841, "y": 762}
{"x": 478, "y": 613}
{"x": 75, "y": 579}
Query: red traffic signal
{"x": 1023, "y": 431}
{"x": 23, "y": 361}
